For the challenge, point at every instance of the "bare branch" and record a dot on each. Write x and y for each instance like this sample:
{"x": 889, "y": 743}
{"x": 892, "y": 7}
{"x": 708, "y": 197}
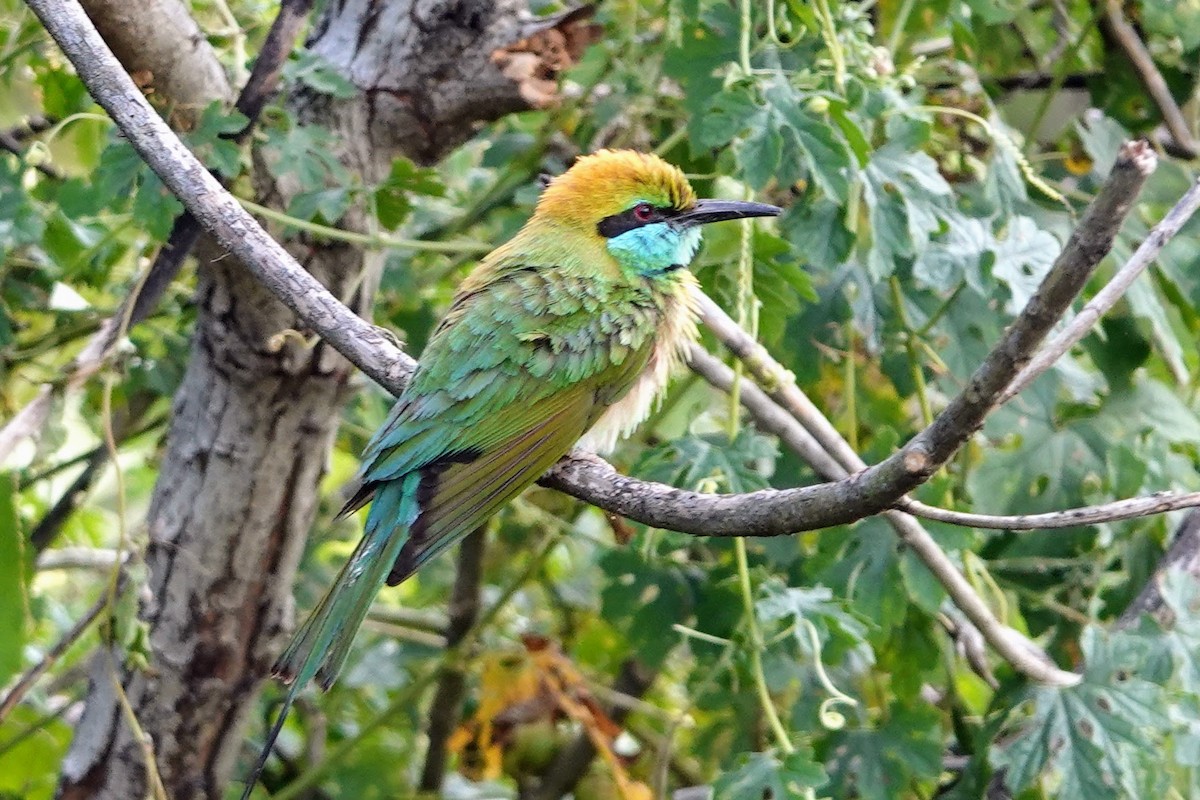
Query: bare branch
{"x": 268, "y": 66}
{"x": 1132, "y": 508}
{"x": 1126, "y": 36}
{"x": 1107, "y": 297}
{"x": 26, "y": 681}
{"x": 446, "y": 707}
{"x": 769, "y": 417}
{"x": 1183, "y": 554}
{"x": 101, "y": 559}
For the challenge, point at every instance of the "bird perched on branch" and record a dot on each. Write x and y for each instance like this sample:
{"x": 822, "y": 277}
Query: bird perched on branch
{"x": 565, "y": 335}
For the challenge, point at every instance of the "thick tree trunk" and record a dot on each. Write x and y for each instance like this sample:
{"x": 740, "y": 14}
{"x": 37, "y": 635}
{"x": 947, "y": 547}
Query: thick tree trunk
{"x": 252, "y": 426}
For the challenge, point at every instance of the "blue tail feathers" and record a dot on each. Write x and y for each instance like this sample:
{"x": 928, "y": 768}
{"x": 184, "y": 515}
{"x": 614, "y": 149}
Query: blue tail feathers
{"x": 319, "y": 648}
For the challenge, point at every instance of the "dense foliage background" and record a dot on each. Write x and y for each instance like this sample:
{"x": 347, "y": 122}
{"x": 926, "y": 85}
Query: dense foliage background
{"x": 932, "y": 158}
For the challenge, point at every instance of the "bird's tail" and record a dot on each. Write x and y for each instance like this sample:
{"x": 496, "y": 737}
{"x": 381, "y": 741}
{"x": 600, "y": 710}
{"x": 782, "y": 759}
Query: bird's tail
{"x": 319, "y": 648}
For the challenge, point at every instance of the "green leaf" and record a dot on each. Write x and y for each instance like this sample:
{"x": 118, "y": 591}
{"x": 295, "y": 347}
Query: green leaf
{"x": 1041, "y": 471}
{"x": 1180, "y": 592}
{"x": 759, "y": 155}
{"x": 393, "y": 197}
{"x": 1097, "y": 736}
{"x": 1024, "y": 254}
{"x": 824, "y": 153}
{"x": 996, "y": 13}
{"x": 644, "y": 599}
{"x": 315, "y": 72}
{"x": 21, "y": 221}
{"x": 13, "y": 601}
{"x": 30, "y": 765}
{"x": 768, "y": 775}
{"x": 712, "y": 461}
{"x": 817, "y": 231}
{"x": 327, "y": 205}
{"x": 1102, "y": 137}
{"x": 867, "y": 572}
{"x": 780, "y": 284}
{"x": 838, "y": 627}
{"x": 879, "y": 763}
{"x": 208, "y": 139}
{"x": 1173, "y": 18}
{"x": 730, "y": 113}
{"x": 307, "y": 153}
{"x": 957, "y": 255}
{"x": 907, "y": 198}
{"x": 1145, "y": 303}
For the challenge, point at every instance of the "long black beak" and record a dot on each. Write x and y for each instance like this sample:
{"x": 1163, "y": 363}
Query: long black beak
{"x": 706, "y": 211}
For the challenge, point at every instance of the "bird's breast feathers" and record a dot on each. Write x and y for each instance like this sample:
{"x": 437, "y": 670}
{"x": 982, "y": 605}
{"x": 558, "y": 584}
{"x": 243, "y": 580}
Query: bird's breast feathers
{"x": 676, "y": 330}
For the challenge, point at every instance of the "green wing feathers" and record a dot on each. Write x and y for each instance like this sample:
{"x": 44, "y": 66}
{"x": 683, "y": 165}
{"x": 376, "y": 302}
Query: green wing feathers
{"x": 463, "y": 495}
{"x": 515, "y": 375}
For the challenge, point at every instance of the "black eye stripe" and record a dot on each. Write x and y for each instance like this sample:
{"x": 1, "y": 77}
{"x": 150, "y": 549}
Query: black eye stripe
{"x": 627, "y": 220}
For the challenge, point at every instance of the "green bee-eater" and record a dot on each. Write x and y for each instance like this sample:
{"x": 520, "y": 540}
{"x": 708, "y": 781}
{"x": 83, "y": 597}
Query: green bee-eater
{"x": 565, "y": 335}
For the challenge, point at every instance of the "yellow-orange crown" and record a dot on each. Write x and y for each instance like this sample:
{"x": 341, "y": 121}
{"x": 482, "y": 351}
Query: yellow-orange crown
{"x": 610, "y": 181}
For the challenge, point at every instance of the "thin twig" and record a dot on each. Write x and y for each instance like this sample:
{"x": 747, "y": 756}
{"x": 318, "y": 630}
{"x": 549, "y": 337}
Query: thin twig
{"x": 1182, "y": 554}
{"x": 1132, "y": 508}
{"x": 26, "y": 681}
{"x": 13, "y": 145}
{"x": 97, "y": 558}
{"x": 1126, "y": 37}
{"x": 446, "y": 707}
{"x": 1106, "y": 298}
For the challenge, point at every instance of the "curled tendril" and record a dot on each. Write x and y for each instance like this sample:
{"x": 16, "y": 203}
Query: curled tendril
{"x": 830, "y": 717}
{"x": 1006, "y": 143}
{"x": 278, "y": 340}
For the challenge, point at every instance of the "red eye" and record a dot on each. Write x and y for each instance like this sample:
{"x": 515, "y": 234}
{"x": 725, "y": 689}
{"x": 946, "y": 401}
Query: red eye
{"x": 643, "y": 212}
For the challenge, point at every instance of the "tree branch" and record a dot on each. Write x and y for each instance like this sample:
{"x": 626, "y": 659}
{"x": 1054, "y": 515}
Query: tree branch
{"x": 160, "y": 42}
{"x": 29, "y": 678}
{"x": 983, "y": 625}
{"x": 1183, "y": 553}
{"x": 1088, "y": 244}
{"x": 1132, "y": 508}
{"x": 446, "y": 707}
{"x": 1107, "y": 297}
{"x": 1126, "y": 37}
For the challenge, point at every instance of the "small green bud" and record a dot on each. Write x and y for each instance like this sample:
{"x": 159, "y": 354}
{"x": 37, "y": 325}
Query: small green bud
{"x": 818, "y": 105}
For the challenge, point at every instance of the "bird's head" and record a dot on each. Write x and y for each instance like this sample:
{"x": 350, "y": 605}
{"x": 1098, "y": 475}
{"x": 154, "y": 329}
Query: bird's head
{"x": 642, "y": 209}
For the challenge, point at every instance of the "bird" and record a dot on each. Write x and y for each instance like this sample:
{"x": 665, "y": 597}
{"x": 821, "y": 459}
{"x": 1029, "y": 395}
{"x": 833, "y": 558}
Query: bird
{"x": 564, "y": 336}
